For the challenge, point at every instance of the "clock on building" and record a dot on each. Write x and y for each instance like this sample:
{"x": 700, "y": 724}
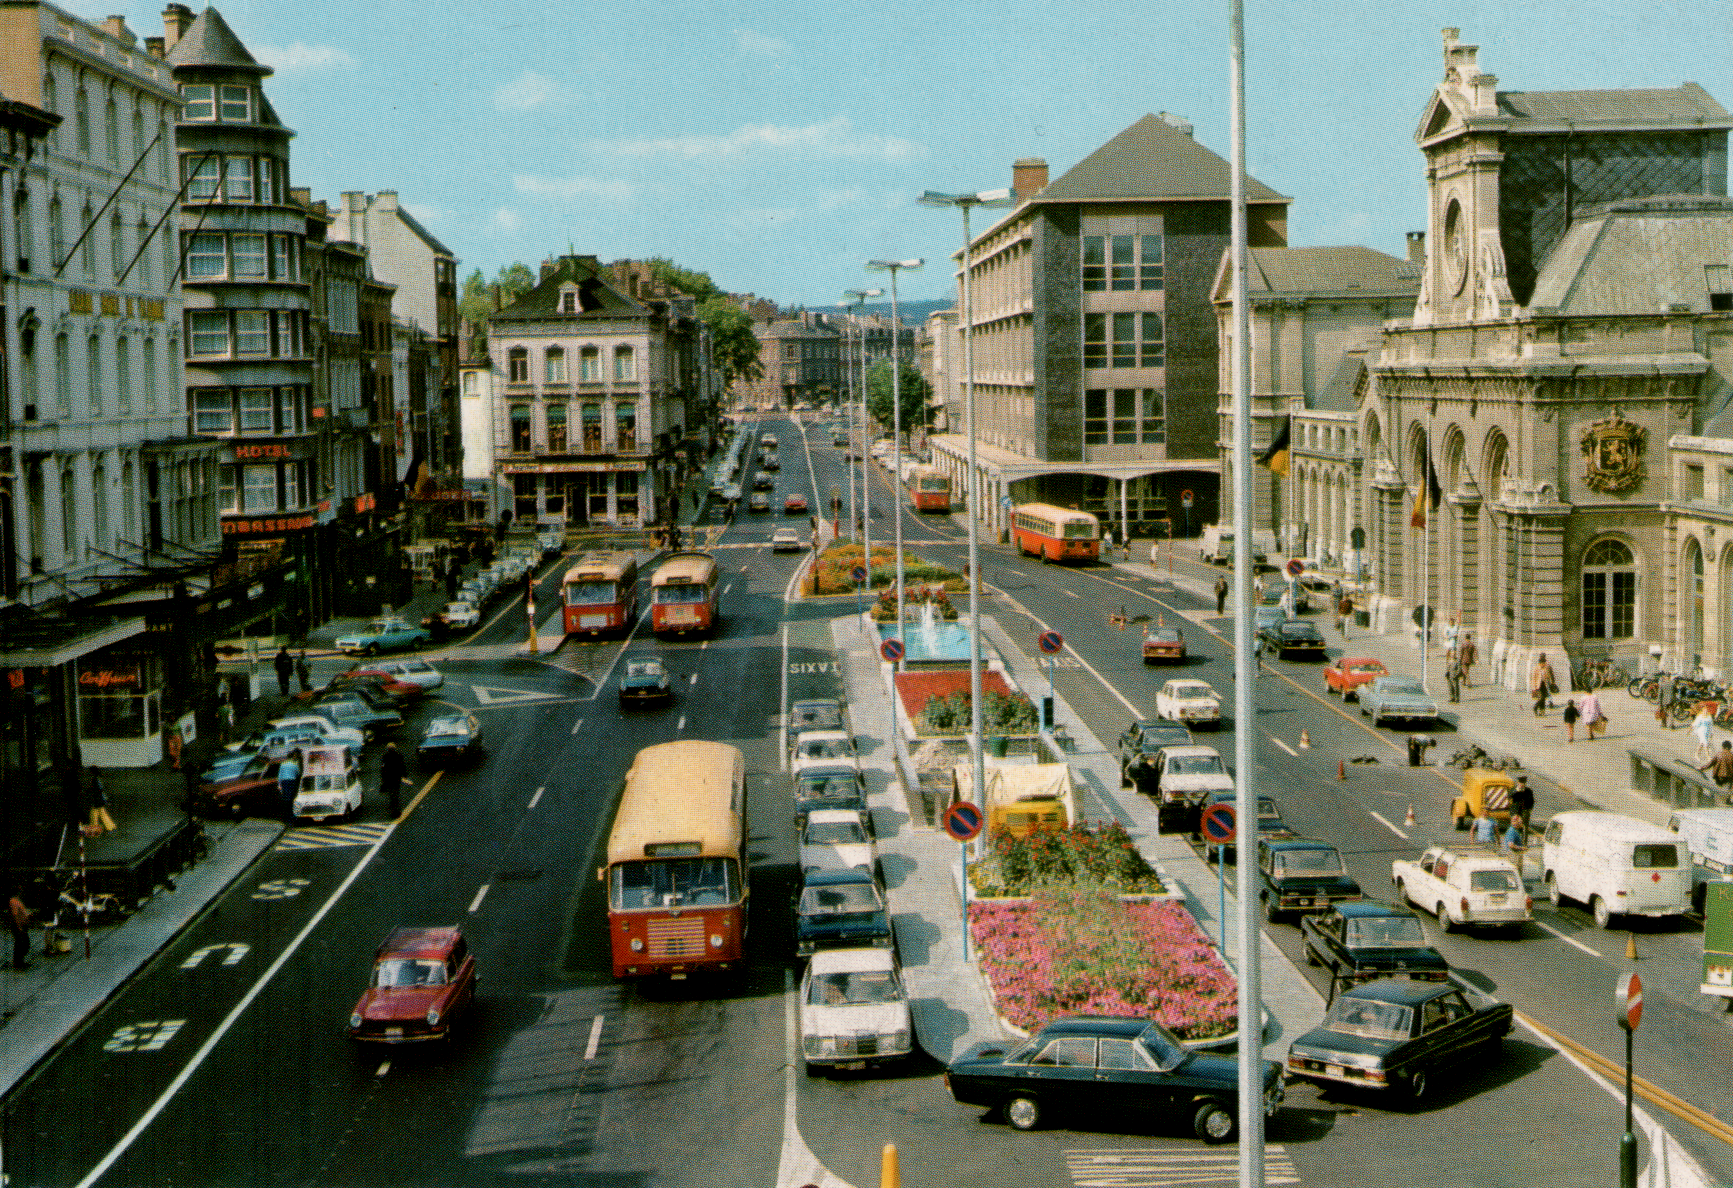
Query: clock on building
{"x": 1455, "y": 250}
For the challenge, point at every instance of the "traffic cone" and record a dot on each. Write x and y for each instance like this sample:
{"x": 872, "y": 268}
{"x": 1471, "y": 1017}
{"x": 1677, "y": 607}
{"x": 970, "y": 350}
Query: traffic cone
{"x": 1341, "y": 773}
{"x": 1305, "y": 741}
{"x": 1630, "y": 946}
{"x": 1409, "y": 820}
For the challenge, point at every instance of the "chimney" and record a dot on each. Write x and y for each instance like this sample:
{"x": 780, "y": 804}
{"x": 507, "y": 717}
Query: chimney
{"x": 115, "y": 26}
{"x": 176, "y": 20}
{"x": 155, "y": 48}
{"x": 1417, "y": 247}
{"x": 1173, "y": 121}
{"x": 1028, "y": 177}
{"x": 548, "y": 267}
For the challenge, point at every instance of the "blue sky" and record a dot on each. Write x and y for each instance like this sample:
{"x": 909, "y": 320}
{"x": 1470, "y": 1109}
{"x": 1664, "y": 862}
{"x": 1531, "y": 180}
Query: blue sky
{"x": 780, "y": 147}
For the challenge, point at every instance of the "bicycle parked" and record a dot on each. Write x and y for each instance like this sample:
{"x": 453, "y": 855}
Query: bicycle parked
{"x": 1601, "y": 674}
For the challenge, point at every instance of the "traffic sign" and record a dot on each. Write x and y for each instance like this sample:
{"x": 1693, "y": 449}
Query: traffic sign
{"x": 892, "y": 650}
{"x": 1051, "y": 642}
{"x": 1295, "y": 567}
{"x": 1185, "y": 498}
{"x": 1218, "y": 824}
{"x": 963, "y": 820}
{"x": 1630, "y": 1000}
{"x": 859, "y": 574}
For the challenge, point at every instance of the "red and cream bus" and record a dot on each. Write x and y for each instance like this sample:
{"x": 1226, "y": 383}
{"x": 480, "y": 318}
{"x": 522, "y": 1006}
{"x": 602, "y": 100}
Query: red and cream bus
{"x": 1055, "y": 533}
{"x": 677, "y": 862}
{"x": 683, "y": 594}
{"x": 929, "y": 488}
{"x": 600, "y": 593}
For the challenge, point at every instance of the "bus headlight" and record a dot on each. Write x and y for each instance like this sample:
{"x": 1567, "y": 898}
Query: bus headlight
{"x": 715, "y": 940}
{"x": 637, "y": 944}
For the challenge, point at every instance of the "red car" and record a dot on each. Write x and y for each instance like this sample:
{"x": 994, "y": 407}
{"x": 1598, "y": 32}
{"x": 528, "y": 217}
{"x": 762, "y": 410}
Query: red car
{"x": 1345, "y": 676}
{"x": 423, "y": 979}
{"x": 794, "y": 505}
{"x": 1163, "y": 643}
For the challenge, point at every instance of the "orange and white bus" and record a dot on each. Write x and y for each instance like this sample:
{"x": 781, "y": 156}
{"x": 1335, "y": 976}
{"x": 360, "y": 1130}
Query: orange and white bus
{"x": 600, "y": 593}
{"x": 929, "y": 488}
{"x": 1055, "y": 533}
{"x": 683, "y": 594}
{"x": 677, "y": 863}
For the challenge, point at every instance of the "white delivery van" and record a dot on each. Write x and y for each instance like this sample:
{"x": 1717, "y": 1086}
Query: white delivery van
{"x": 1217, "y": 545}
{"x": 1709, "y": 834}
{"x": 1616, "y": 866}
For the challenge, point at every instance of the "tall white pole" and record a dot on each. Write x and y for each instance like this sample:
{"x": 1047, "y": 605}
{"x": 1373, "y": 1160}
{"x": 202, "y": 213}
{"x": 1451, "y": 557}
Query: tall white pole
{"x": 974, "y": 530}
{"x": 897, "y": 451}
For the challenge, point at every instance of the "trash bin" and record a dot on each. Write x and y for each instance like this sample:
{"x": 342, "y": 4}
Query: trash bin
{"x": 996, "y": 746}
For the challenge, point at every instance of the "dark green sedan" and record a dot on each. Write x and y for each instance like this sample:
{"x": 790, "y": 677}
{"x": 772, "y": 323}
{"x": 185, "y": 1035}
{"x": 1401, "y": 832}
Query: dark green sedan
{"x": 646, "y": 682}
{"x": 1090, "y": 1065}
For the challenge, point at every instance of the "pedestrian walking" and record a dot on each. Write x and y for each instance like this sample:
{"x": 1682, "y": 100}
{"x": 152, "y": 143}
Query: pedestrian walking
{"x": 303, "y": 673}
{"x": 1663, "y": 698}
{"x": 1703, "y": 729}
{"x": 1221, "y": 596}
{"x": 1594, "y": 720}
{"x": 1571, "y": 714}
{"x": 1720, "y": 768}
{"x": 285, "y": 666}
{"x": 391, "y": 773}
{"x": 1522, "y": 799}
{"x": 288, "y": 779}
{"x": 1540, "y": 684}
{"x": 1453, "y": 678}
{"x": 1451, "y": 632}
{"x": 18, "y": 920}
{"x": 96, "y": 799}
{"x": 1465, "y": 656}
{"x": 1485, "y": 829}
{"x": 1516, "y": 839}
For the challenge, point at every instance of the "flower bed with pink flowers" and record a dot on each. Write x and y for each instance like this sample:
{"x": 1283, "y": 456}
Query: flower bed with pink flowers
{"x": 1084, "y": 950}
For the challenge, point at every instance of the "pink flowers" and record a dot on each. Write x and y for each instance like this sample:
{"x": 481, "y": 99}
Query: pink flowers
{"x": 1083, "y": 951}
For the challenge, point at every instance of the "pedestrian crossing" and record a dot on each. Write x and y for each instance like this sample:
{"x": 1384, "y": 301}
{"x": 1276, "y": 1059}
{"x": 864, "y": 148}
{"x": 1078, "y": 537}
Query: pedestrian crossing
{"x": 319, "y": 837}
{"x": 1164, "y": 1167}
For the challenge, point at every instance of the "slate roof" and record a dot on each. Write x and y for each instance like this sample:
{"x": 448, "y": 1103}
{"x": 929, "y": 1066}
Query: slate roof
{"x": 1341, "y": 392}
{"x": 1329, "y": 270}
{"x": 1652, "y": 107}
{"x": 595, "y": 295}
{"x": 427, "y": 237}
{"x": 1637, "y": 256}
{"x": 209, "y": 42}
{"x": 1150, "y": 161}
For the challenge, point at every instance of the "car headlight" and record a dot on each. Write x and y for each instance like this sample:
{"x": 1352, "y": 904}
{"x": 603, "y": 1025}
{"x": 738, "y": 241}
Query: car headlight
{"x": 433, "y": 1016}
{"x": 899, "y": 1038}
{"x": 355, "y": 1020}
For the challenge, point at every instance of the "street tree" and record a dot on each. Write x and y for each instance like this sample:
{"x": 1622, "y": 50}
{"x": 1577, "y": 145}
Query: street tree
{"x": 913, "y": 397}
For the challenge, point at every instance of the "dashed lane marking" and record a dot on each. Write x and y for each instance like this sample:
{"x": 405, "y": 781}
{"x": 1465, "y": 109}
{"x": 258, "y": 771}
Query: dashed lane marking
{"x": 318, "y": 837}
{"x": 1158, "y": 1167}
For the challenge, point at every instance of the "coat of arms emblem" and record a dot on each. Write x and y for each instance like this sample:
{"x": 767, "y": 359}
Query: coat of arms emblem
{"x": 1613, "y": 455}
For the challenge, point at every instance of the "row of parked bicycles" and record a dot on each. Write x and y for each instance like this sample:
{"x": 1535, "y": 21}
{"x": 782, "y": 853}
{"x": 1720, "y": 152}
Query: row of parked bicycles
{"x": 1683, "y": 695}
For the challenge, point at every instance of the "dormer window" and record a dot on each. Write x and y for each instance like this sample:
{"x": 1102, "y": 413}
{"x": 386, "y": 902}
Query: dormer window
{"x": 569, "y": 301}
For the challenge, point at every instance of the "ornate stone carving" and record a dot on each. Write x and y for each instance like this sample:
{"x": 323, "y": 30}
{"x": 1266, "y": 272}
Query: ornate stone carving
{"x": 1613, "y": 455}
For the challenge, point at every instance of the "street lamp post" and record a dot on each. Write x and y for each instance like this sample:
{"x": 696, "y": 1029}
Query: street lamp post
{"x": 857, "y": 299}
{"x": 893, "y": 267}
{"x": 989, "y": 198}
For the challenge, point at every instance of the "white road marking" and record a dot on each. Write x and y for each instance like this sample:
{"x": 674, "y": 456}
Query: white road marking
{"x": 680, "y": 725}
{"x": 537, "y": 798}
{"x": 1378, "y": 817}
{"x": 487, "y": 695}
{"x": 382, "y": 1069}
{"x": 1570, "y": 940}
{"x": 1283, "y": 745}
{"x": 1069, "y": 594}
{"x": 479, "y": 896}
{"x": 693, "y": 679}
{"x": 595, "y": 1039}
{"x": 577, "y": 726}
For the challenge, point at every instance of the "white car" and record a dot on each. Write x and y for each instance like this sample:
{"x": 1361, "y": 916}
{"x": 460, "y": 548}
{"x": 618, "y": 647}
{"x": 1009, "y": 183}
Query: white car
{"x": 461, "y": 614}
{"x": 837, "y": 839}
{"x": 1190, "y": 701}
{"x": 329, "y": 731}
{"x": 330, "y": 786}
{"x": 412, "y": 672}
{"x": 823, "y": 748}
{"x": 854, "y": 1010}
{"x": 1191, "y": 772}
{"x": 1464, "y": 886}
{"x": 786, "y": 540}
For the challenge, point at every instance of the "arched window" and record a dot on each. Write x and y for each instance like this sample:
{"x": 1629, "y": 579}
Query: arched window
{"x": 624, "y": 368}
{"x": 56, "y": 233}
{"x": 590, "y": 366}
{"x": 111, "y": 130}
{"x": 87, "y": 254}
{"x": 63, "y": 375}
{"x": 99, "y": 497}
{"x": 518, "y": 366}
{"x": 26, "y": 228}
{"x": 1609, "y": 591}
{"x": 137, "y": 131}
{"x": 123, "y": 373}
{"x": 556, "y": 365}
{"x": 128, "y": 502}
{"x": 142, "y": 268}
{"x": 81, "y": 119}
{"x": 150, "y": 374}
{"x": 1694, "y": 609}
{"x": 51, "y": 103}
{"x": 69, "y": 514}
{"x": 93, "y": 372}
{"x": 116, "y": 246}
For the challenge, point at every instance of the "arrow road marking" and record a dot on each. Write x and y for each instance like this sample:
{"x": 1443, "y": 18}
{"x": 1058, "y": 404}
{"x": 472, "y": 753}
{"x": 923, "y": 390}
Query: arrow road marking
{"x": 488, "y": 695}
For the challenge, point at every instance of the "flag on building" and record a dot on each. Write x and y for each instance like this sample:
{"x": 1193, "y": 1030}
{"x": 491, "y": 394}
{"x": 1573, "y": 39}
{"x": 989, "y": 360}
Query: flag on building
{"x": 1275, "y": 458}
{"x": 1429, "y": 495}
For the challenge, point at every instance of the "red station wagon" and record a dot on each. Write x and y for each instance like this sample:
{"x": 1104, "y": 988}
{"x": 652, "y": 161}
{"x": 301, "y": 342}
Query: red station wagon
{"x": 423, "y": 978}
{"x": 1346, "y": 675}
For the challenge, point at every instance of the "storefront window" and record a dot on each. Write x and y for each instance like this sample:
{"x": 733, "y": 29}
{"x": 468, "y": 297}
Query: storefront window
{"x": 117, "y": 694}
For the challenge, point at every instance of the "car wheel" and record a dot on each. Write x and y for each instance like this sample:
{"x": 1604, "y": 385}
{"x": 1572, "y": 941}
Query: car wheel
{"x": 1402, "y": 892}
{"x": 1418, "y": 1085}
{"x": 1445, "y": 923}
{"x": 1023, "y": 1112}
{"x": 1312, "y": 956}
{"x": 1603, "y": 912}
{"x": 1462, "y": 823}
{"x": 811, "y": 1069}
{"x": 1213, "y": 1124}
{"x": 1552, "y": 891}
{"x": 1271, "y": 913}
{"x": 371, "y": 649}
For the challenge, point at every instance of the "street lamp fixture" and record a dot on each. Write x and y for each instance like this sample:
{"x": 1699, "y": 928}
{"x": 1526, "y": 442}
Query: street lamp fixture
{"x": 966, "y": 202}
{"x": 893, "y": 267}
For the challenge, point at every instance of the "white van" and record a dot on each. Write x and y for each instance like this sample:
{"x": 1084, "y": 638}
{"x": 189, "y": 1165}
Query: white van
{"x": 1616, "y": 866}
{"x": 1217, "y": 545}
{"x": 1709, "y": 834}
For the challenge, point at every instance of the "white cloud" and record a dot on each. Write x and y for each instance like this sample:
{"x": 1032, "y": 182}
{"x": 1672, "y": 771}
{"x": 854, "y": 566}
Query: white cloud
{"x": 427, "y": 216}
{"x": 607, "y": 190}
{"x": 506, "y": 220}
{"x": 758, "y": 45}
{"x": 300, "y": 57}
{"x": 528, "y": 90}
{"x": 832, "y": 139}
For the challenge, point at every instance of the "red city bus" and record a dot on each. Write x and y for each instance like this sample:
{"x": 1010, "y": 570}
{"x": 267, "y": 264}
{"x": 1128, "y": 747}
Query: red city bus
{"x": 683, "y": 594}
{"x": 1055, "y": 533}
{"x": 677, "y": 863}
{"x": 929, "y": 488}
{"x": 600, "y": 593}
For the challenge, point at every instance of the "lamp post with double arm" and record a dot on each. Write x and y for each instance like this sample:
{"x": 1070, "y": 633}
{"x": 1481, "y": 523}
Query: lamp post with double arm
{"x": 893, "y": 267}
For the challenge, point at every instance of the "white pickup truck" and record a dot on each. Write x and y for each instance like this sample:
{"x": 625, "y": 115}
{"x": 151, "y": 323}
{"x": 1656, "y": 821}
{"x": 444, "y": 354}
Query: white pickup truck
{"x": 1464, "y": 886}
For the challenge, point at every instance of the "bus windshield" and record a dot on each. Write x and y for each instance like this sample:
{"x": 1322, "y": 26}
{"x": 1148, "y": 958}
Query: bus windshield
{"x": 674, "y": 882}
{"x": 677, "y": 595}
{"x": 934, "y": 483}
{"x": 591, "y": 593}
{"x": 1078, "y": 530}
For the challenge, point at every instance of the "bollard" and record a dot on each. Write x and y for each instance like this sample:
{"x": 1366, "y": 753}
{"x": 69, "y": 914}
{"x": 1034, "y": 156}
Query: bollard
{"x": 1631, "y": 946}
{"x": 1409, "y": 820}
{"x": 888, "y": 1175}
{"x": 1305, "y": 740}
{"x": 1341, "y": 773}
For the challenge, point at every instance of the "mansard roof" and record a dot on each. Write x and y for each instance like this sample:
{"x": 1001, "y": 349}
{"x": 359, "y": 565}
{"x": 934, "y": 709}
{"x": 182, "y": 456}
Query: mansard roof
{"x": 1151, "y": 161}
{"x": 1330, "y": 270}
{"x": 1685, "y": 106}
{"x": 211, "y": 44}
{"x": 595, "y": 295}
{"x": 1637, "y": 256}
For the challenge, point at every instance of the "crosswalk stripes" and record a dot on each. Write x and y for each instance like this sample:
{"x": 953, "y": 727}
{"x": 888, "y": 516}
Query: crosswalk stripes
{"x": 316, "y": 837}
{"x": 1164, "y": 1167}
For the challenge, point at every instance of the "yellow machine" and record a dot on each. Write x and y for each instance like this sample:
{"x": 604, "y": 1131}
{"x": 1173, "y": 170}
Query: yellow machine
{"x": 1482, "y": 790}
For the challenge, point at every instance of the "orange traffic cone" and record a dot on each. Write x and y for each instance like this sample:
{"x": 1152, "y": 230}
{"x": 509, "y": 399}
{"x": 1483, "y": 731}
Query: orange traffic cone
{"x": 1305, "y": 741}
{"x": 1409, "y": 819}
{"x": 1630, "y": 946}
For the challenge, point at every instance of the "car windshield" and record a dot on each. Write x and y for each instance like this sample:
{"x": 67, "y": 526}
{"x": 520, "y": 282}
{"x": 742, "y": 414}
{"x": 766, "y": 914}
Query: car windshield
{"x": 826, "y": 787}
{"x": 1196, "y": 765}
{"x": 1309, "y": 862}
{"x": 1402, "y": 689}
{"x": 1651, "y": 856}
{"x": 858, "y": 988}
{"x": 1366, "y": 667}
{"x": 1493, "y": 880}
{"x": 1167, "y": 1052}
{"x": 834, "y": 833}
{"x": 841, "y": 899}
{"x": 1386, "y": 932}
{"x": 1187, "y": 692}
{"x": 1167, "y": 636}
{"x": 1370, "y": 1018}
{"x": 448, "y": 728}
{"x": 823, "y": 748}
{"x": 645, "y": 668}
{"x": 820, "y": 717}
{"x": 408, "y": 971}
